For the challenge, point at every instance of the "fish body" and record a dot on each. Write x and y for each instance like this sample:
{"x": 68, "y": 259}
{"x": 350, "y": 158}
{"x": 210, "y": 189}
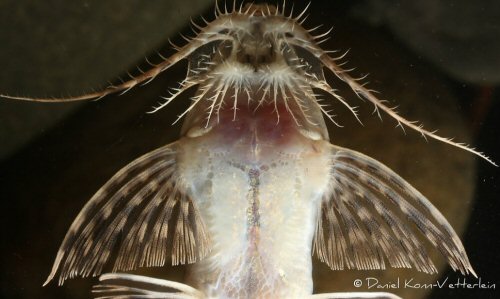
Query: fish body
{"x": 258, "y": 185}
{"x": 253, "y": 188}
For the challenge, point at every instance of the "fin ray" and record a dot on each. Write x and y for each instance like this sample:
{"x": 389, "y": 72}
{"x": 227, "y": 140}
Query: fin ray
{"x": 373, "y": 203}
{"x": 138, "y": 204}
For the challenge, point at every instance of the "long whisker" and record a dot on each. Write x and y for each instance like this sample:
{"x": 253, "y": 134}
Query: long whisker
{"x": 203, "y": 38}
{"x": 361, "y": 91}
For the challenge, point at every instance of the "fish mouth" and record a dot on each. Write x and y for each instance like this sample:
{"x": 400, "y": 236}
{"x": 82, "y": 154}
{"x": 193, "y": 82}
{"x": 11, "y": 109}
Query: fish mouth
{"x": 274, "y": 114}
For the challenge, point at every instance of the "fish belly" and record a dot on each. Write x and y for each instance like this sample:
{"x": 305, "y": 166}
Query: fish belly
{"x": 258, "y": 188}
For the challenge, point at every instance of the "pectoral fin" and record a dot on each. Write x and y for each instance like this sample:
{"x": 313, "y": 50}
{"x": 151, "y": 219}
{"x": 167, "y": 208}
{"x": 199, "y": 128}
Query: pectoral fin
{"x": 367, "y": 215}
{"x": 142, "y": 209}
{"x": 128, "y": 286}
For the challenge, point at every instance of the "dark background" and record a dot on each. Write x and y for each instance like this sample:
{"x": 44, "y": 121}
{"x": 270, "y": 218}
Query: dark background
{"x": 55, "y": 156}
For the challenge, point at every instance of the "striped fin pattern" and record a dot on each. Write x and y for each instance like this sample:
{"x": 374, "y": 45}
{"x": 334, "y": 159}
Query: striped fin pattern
{"x": 142, "y": 209}
{"x": 368, "y": 217}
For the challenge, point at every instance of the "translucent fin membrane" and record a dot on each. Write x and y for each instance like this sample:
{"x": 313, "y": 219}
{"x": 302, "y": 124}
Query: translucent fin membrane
{"x": 364, "y": 216}
{"x": 141, "y": 210}
{"x": 128, "y": 286}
